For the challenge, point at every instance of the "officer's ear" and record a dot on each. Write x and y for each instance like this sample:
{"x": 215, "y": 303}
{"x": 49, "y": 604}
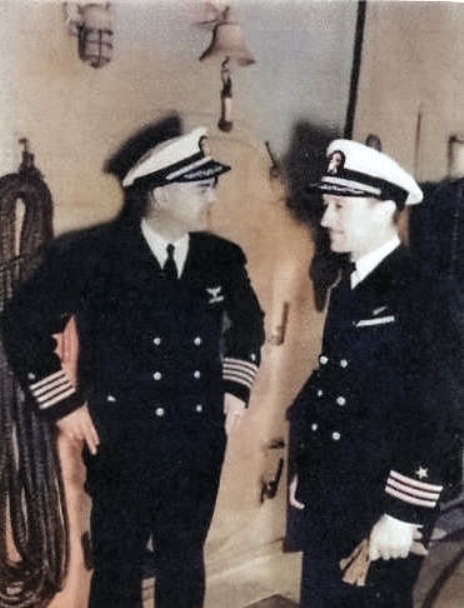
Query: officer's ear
{"x": 157, "y": 197}
{"x": 387, "y": 210}
{"x": 152, "y": 205}
{"x": 163, "y": 195}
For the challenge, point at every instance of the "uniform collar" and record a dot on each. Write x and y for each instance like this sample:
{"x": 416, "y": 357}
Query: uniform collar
{"x": 366, "y": 264}
{"x": 158, "y": 246}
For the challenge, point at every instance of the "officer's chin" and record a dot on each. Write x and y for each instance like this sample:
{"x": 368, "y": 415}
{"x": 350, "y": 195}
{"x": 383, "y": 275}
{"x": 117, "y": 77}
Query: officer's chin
{"x": 336, "y": 248}
{"x": 206, "y": 221}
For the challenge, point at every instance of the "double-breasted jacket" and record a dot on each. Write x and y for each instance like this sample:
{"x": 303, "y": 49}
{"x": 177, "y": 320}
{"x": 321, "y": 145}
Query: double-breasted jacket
{"x": 370, "y": 429}
{"x": 155, "y": 355}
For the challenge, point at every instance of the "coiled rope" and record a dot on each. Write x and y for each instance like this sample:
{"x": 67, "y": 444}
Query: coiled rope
{"x": 33, "y": 526}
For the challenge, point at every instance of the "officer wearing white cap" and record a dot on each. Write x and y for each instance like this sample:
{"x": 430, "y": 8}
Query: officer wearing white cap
{"x": 170, "y": 332}
{"x": 368, "y": 430}
{"x": 357, "y": 170}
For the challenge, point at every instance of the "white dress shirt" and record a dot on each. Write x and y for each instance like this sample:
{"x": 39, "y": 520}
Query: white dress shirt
{"x": 158, "y": 246}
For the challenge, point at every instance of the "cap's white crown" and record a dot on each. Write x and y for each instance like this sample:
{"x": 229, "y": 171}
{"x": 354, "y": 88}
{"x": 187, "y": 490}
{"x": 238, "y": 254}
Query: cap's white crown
{"x": 168, "y": 153}
{"x": 368, "y": 163}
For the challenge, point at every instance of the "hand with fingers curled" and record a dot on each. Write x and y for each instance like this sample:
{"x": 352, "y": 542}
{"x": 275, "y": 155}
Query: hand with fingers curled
{"x": 392, "y": 538}
{"x": 234, "y": 409}
{"x": 78, "y": 426}
{"x": 292, "y": 499}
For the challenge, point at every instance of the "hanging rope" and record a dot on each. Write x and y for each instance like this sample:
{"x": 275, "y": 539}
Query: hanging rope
{"x": 33, "y": 527}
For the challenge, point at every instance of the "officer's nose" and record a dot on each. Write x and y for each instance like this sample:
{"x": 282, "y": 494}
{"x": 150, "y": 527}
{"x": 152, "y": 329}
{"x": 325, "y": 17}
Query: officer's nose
{"x": 326, "y": 217}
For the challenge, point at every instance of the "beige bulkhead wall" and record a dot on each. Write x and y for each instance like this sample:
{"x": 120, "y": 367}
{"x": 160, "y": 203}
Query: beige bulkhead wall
{"x": 44, "y": 98}
{"x": 411, "y": 85}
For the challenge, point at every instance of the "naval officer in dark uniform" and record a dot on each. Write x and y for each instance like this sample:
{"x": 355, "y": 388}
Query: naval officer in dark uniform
{"x": 371, "y": 428}
{"x": 170, "y": 332}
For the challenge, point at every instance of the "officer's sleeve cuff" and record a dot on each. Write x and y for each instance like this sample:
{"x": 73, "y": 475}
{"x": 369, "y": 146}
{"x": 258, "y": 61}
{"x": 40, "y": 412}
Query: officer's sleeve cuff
{"x": 238, "y": 376}
{"x": 55, "y": 395}
{"x": 239, "y": 371}
{"x": 410, "y": 499}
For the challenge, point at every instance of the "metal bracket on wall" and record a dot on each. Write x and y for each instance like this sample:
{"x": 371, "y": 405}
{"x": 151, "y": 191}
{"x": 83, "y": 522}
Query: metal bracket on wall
{"x": 269, "y": 485}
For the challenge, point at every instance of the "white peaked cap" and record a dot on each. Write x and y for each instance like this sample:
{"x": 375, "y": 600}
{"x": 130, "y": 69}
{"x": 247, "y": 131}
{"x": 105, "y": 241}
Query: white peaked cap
{"x": 355, "y": 169}
{"x": 182, "y": 159}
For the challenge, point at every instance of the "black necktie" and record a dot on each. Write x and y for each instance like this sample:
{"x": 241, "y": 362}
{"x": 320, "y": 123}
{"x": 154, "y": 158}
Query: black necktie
{"x": 347, "y": 270}
{"x": 170, "y": 268}
{"x": 351, "y": 267}
{"x": 348, "y": 267}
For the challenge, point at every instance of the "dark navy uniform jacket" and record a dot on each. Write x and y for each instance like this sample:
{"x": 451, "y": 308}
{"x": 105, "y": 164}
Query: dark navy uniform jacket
{"x": 156, "y": 356}
{"x": 371, "y": 427}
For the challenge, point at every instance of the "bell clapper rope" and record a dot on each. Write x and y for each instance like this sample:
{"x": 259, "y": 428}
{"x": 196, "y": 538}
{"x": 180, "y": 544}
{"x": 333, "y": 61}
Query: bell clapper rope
{"x": 225, "y": 122}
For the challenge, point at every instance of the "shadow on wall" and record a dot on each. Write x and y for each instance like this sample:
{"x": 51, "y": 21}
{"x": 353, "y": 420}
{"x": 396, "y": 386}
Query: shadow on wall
{"x": 303, "y": 165}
